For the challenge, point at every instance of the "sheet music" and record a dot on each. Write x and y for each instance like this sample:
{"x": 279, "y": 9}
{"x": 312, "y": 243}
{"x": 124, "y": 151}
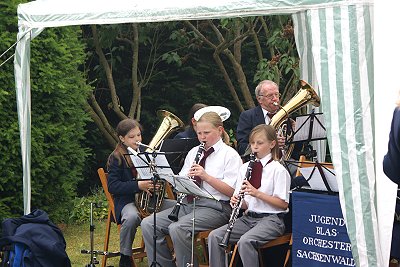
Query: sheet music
{"x": 142, "y": 165}
{"x": 318, "y": 132}
{"x": 316, "y": 182}
{"x": 186, "y": 185}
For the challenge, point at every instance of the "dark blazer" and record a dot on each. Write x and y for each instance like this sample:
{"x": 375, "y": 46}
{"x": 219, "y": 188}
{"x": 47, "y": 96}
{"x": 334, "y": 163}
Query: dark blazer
{"x": 43, "y": 238}
{"x": 391, "y": 167}
{"x": 121, "y": 185}
{"x": 391, "y": 161}
{"x": 247, "y": 121}
{"x": 187, "y": 133}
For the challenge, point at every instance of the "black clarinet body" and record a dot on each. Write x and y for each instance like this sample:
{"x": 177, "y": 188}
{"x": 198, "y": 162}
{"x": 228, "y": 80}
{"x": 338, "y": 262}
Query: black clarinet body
{"x": 173, "y": 216}
{"x": 236, "y": 208}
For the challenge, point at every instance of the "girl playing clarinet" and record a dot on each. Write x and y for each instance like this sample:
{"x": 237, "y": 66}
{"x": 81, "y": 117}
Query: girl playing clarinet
{"x": 266, "y": 198}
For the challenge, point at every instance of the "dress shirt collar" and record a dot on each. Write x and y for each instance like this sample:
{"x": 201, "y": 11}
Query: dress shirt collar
{"x": 266, "y": 159}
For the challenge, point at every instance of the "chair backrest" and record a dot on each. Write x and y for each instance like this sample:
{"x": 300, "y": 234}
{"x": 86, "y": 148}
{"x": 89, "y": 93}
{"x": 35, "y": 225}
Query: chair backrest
{"x": 103, "y": 178}
{"x": 304, "y": 163}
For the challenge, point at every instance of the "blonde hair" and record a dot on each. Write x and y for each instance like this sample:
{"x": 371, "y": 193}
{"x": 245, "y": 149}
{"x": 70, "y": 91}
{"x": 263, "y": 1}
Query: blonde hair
{"x": 216, "y": 121}
{"x": 270, "y": 134}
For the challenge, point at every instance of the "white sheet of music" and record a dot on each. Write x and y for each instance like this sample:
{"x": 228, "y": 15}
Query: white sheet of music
{"x": 318, "y": 131}
{"x": 316, "y": 182}
{"x": 186, "y": 185}
{"x": 142, "y": 165}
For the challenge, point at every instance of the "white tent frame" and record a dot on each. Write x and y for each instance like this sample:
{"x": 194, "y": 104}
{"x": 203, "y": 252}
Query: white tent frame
{"x": 369, "y": 242}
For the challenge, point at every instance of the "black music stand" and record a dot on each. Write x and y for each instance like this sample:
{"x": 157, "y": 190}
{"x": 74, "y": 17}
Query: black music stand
{"x": 176, "y": 151}
{"x": 188, "y": 186}
{"x": 309, "y": 128}
{"x": 150, "y": 167}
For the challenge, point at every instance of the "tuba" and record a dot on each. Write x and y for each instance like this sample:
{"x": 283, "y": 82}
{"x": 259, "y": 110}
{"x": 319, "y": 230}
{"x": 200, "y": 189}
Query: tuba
{"x": 306, "y": 95}
{"x": 144, "y": 202}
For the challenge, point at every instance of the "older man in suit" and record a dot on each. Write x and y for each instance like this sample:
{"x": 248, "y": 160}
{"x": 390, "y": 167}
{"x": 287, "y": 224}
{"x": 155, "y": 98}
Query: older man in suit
{"x": 267, "y": 94}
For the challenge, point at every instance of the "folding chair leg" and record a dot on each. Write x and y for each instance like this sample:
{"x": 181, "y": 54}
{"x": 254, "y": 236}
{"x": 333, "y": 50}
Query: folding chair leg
{"x": 233, "y": 257}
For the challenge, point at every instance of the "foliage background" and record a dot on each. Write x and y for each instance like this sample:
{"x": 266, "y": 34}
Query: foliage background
{"x": 74, "y": 112}
{"x": 58, "y": 92}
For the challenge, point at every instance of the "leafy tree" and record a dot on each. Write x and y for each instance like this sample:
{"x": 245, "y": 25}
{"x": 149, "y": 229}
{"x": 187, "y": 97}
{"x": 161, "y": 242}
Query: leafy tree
{"x": 58, "y": 94}
{"x": 238, "y": 43}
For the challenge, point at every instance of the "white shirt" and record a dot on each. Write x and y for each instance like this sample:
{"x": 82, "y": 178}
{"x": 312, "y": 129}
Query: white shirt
{"x": 275, "y": 181}
{"x": 223, "y": 164}
{"x": 266, "y": 117}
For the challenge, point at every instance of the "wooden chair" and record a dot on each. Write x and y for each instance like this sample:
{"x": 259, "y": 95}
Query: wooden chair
{"x": 303, "y": 163}
{"x": 201, "y": 239}
{"x": 282, "y": 240}
{"x": 138, "y": 252}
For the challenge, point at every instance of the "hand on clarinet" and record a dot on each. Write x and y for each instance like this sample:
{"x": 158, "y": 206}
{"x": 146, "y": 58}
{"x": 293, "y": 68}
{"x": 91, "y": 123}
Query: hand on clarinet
{"x": 248, "y": 189}
{"x": 234, "y": 200}
{"x": 197, "y": 170}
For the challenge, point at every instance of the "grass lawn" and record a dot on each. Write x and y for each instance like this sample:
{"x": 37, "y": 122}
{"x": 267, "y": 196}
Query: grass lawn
{"x": 77, "y": 238}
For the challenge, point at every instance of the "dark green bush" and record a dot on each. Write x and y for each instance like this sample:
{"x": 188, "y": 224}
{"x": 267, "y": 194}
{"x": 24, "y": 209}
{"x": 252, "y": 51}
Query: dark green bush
{"x": 81, "y": 209}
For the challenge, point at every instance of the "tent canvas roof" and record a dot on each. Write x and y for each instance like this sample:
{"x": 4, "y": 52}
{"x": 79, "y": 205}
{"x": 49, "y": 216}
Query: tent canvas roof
{"x": 318, "y": 24}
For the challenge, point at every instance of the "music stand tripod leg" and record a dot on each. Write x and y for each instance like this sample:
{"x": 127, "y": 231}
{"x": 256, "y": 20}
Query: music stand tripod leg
{"x": 154, "y": 263}
{"x": 193, "y": 233}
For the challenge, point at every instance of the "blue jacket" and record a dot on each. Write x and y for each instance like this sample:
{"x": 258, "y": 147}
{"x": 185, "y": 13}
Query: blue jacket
{"x": 43, "y": 238}
{"x": 187, "y": 133}
{"x": 121, "y": 185}
{"x": 391, "y": 167}
{"x": 391, "y": 161}
{"x": 247, "y": 121}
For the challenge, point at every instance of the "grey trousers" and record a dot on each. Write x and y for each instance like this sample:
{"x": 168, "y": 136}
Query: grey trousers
{"x": 130, "y": 221}
{"x": 209, "y": 214}
{"x": 249, "y": 233}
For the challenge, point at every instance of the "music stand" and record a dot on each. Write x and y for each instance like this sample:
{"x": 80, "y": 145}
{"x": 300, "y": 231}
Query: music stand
{"x": 188, "y": 186}
{"x": 176, "y": 151}
{"x": 157, "y": 163}
{"x": 320, "y": 172}
{"x": 309, "y": 128}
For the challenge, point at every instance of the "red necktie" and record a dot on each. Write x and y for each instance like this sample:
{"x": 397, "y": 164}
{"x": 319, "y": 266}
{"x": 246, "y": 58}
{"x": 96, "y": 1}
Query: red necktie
{"x": 270, "y": 115}
{"x": 202, "y": 163}
{"x": 256, "y": 174}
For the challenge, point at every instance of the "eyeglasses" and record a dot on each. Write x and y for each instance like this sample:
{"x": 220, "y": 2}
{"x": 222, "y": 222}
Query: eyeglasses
{"x": 272, "y": 96}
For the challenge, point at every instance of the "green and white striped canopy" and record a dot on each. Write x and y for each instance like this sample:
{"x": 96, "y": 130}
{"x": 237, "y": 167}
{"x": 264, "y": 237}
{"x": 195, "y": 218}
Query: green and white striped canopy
{"x": 335, "y": 42}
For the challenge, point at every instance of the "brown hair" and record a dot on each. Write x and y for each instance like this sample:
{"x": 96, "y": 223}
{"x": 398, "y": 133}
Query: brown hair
{"x": 270, "y": 134}
{"x": 216, "y": 121}
{"x": 123, "y": 128}
{"x": 193, "y": 110}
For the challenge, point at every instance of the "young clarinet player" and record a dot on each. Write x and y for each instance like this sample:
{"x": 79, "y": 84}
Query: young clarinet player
{"x": 263, "y": 194}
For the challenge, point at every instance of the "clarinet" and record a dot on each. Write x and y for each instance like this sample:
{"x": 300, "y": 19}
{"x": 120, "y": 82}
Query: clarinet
{"x": 236, "y": 208}
{"x": 173, "y": 216}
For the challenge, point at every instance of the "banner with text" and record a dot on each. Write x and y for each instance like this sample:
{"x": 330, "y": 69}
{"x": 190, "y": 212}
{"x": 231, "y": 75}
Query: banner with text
{"x": 319, "y": 231}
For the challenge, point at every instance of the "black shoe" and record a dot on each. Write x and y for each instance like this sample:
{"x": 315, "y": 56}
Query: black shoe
{"x": 125, "y": 261}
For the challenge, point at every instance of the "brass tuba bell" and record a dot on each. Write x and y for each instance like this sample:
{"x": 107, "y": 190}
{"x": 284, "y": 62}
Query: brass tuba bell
{"x": 306, "y": 95}
{"x": 144, "y": 202}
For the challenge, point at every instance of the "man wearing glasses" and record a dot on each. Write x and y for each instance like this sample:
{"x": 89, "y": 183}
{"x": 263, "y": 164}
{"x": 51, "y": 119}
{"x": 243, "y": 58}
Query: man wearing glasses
{"x": 267, "y": 94}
